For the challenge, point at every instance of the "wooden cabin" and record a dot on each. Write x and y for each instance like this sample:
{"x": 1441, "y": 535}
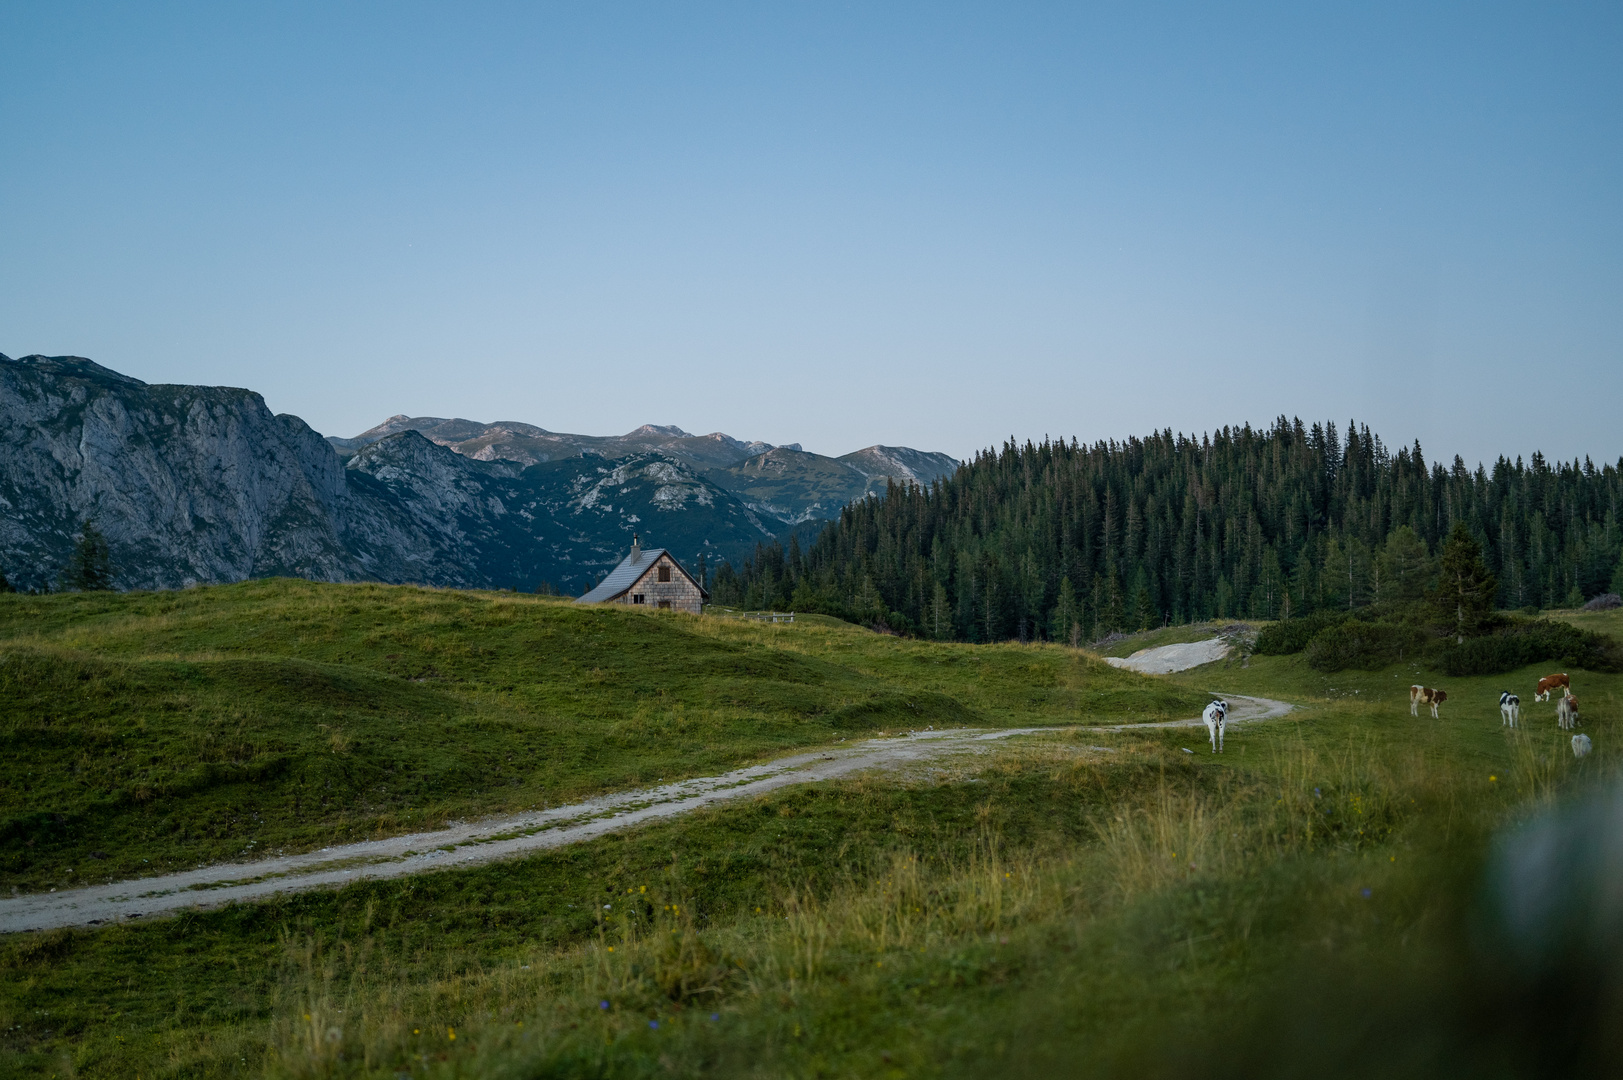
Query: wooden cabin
{"x": 649, "y": 578}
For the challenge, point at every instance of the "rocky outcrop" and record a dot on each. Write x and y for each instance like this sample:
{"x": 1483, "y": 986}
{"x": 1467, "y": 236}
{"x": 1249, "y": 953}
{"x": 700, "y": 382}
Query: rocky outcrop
{"x": 188, "y": 483}
{"x": 194, "y": 484}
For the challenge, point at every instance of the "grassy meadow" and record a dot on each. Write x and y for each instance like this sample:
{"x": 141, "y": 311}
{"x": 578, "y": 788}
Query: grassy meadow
{"x": 150, "y": 731}
{"x": 1076, "y": 902}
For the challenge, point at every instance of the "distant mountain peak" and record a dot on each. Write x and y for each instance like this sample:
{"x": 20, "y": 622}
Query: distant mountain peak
{"x": 781, "y": 481}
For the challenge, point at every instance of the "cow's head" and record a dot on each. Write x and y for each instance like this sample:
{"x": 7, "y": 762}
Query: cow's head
{"x": 1439, "y": 696}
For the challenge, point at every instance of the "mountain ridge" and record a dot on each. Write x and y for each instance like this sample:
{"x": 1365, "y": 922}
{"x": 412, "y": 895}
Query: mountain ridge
{"x": 195, "y": 485}
{"x": 791, "y": 490}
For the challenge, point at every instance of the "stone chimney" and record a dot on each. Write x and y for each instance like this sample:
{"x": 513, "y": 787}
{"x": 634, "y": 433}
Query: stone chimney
{"x": 636, "y": 547}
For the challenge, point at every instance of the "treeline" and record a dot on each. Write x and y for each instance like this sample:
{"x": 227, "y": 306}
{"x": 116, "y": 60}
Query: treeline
{"x": 1063, "y": 541}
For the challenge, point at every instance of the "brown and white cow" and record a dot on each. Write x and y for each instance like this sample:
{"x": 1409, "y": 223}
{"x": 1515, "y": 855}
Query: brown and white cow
{"x": 1425, "y": 695}
{"x": 1566, "y": 712}
{"x": 1550, "y": 682}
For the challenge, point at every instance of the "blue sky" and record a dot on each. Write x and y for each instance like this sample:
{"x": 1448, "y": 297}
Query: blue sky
{"x": 930, "y": 225}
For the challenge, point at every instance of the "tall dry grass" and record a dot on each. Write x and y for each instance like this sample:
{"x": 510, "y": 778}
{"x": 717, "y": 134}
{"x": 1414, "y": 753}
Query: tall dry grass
{"x": 345, "y": 1010}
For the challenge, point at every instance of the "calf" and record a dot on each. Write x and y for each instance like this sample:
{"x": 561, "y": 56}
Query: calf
{"x": 1581, "y": 745}
{"x": 1550, "y": 682}
{"x": 1510, "y": 708}
{"x": 1425, "y": 695}
{"x": 1566, "y": 712}
{"x": 1216, "y": 717}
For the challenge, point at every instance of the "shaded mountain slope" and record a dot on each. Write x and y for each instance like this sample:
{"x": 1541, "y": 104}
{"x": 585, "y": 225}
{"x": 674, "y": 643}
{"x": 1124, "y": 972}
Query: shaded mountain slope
{"x": 785, "y": 485}
{"x": 195, "y": 484}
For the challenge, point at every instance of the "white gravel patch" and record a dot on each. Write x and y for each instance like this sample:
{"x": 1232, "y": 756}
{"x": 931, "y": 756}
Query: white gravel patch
{"x": 1169, "y": 658}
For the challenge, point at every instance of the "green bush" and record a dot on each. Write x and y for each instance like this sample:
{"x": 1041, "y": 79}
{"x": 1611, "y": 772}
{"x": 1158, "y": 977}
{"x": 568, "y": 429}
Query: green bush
{"x": 1526, "y": 643}
{"x": 1369, "y": 646}
{"x": 1292, "y": 635}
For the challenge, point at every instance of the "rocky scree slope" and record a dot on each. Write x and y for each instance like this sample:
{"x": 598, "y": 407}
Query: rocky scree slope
{"x": 195, "y": 484}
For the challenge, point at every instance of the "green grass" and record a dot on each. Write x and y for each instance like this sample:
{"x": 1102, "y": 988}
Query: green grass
{"x": 151, "y": 731}
{"x": 1301, "y": 905}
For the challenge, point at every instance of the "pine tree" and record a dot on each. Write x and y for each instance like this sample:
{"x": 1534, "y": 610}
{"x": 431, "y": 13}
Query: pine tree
{"x": 1465, "y": 586}
{"x": 6, "y": 586}
{"x": 90, "y": 567}
{"x": 1405, "y": 565}
{"x": 1066, "y": 623}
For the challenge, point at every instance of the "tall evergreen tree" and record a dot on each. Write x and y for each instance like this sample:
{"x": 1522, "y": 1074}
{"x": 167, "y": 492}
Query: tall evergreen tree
{"x": 1465, "y": 586}
{"x": 90, "y": 567}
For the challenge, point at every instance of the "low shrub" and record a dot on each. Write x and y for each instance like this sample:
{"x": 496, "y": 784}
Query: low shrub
{"x": 1292, "y": 635}
{"x": 1529, "y": 643}
{"x": 1368, "y": 646}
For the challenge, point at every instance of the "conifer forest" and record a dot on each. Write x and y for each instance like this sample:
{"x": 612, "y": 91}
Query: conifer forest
{"x": 1068, "y": 542}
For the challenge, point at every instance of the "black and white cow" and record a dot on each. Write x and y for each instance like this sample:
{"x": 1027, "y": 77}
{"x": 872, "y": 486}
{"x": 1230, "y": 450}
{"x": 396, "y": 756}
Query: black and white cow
{"x": 1510, "y": 708}
{"x": 1216, "y": 717}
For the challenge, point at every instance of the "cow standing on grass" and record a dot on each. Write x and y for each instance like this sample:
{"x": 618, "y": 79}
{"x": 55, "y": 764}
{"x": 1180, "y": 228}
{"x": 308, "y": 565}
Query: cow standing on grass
{"x": 1549, "y": 683}
{"x": 1216, "y": 717}
{"x": 1566, "y": 712}
{"x": 1510, "y": 708}
{"x": 1425, "y": 695}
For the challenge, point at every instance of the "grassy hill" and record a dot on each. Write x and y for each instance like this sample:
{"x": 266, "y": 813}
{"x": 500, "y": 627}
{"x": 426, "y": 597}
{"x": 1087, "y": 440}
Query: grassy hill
{"x": 166, "y": 729}
{"x": 1078, "y": 902}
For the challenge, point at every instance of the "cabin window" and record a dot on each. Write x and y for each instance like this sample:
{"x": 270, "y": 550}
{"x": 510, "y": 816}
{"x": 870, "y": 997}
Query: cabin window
{"x": 664, "y": 605}
{"x": 664, "y": 573}
{"x": 636, "y": 598}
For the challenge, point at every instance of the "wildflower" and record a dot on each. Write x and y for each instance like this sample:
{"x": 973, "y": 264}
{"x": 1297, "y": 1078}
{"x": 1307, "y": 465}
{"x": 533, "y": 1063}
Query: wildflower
{"x": 1364, "y": 893}
{"x": 416, "y": 1031}
{"x": 653, "y": 1023}
{"x": 603, "y": 1004}
{"x": 1493, "y": 779}
{"x": 643, "y": 889}
{"x": 450, "y": 1033}
{"x": 611, "y": 948}
{"x": 715, "y": 1016}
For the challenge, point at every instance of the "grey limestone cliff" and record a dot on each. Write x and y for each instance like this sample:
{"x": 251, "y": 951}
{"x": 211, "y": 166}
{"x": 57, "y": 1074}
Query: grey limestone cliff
{"x": 194, "y": 484}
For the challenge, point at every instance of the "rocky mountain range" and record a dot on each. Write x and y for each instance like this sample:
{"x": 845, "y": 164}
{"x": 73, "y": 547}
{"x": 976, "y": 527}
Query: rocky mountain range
{"x": 781, "y": 483}
{"x": 194, "y": 484}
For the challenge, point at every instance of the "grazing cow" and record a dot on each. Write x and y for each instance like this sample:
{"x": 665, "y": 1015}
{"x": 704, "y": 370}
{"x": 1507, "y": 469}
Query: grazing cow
{"x": 1425, "y": 695}
{"x": 1550, "y": 682}
{"x": 1510, "y": 708}
{"x": 1566, "y": 712}
{"x": 1581, "y": 745}
{"x": 1216, "y": 717}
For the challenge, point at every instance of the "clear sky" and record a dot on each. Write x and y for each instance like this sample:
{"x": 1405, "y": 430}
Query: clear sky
{"x": 932, "y": 225}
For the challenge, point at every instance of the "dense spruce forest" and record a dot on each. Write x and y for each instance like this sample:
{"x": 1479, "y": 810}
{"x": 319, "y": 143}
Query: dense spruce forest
{"x": 1070, "y": 542}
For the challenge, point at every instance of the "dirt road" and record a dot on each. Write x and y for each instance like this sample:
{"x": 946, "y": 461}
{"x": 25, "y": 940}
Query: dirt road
{"x": 479, "y": 842}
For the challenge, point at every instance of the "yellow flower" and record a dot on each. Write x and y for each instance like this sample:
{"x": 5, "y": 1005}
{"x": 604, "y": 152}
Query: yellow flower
{"x": 1493, "y": 779}
{"x": 450, "y": 1033}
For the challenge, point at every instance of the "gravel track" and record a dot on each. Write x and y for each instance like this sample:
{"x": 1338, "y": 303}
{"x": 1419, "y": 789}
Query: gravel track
{"x": 475, "y": 843}
{"x": 1169, "y": 658}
